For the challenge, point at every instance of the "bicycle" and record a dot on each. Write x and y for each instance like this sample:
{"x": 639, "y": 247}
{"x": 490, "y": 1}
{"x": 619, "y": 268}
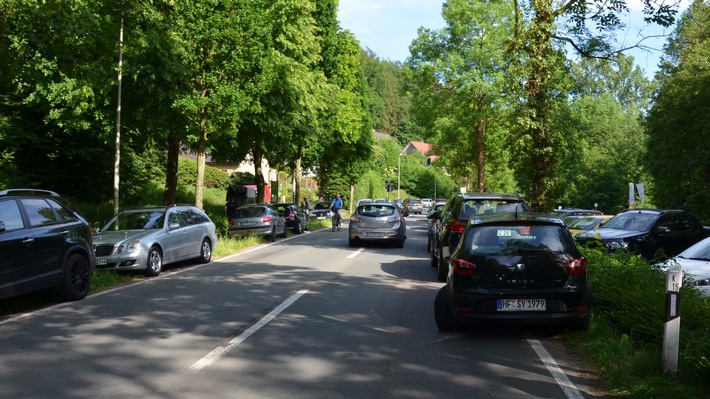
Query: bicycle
{"x": 336, "y": 219}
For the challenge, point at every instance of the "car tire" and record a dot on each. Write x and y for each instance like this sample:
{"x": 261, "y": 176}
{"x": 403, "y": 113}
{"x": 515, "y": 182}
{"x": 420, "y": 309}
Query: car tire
{"x": 400, "y": 243}
{"x": 580, "y": 324}
{"x": 432, "y": 257}
{"x": 297, "y": 228}
{"x": 154, "y": 263}
{"x": 428, "y": 244}
{"x": 76, "y": 279}
{"x": 351, "y": 242}
{"x": 205, "y": 251}
{"x": 272, "y": 236}
{"x": 442, "y": 267}
{"x": 442, "y": 314}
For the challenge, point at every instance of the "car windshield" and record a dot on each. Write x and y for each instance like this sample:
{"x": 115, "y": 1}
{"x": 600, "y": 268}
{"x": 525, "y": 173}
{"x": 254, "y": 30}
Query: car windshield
{"x": 136, "y": 221}
{"x": 474, "y": 206}
{"x": 699, "y": 251}
{"x": 584, "y": 223}
{"x": 375, "y": 210}
{"x": 507, "y": 239}
{"x": 249, "y": 212}
{"x": 632, "y": 221}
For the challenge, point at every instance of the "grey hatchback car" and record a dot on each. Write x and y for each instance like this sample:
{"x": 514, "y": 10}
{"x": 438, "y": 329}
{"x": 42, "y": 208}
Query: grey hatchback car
{"x": 148, "y": 238}
{"x": 258, "y": 219}
{"x": 377, "y": 221}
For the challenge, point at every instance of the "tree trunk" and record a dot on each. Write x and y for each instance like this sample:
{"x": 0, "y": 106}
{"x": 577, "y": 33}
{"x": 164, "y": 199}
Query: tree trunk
{"x": 480, "y": 145}
{"x": 200, "y": 180}
{"x": 171, "y": 169}
{"x": 297, "y": 186}
{"x": 258, "y": 174}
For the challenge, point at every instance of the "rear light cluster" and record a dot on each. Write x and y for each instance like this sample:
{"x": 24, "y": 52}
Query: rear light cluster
{"x": 266, "y": 219}
{"x": 457, "y": 227}
{"x": 576, "y": 266}
{"x": 291, "y": 215}
{"x": 464, "y": 268}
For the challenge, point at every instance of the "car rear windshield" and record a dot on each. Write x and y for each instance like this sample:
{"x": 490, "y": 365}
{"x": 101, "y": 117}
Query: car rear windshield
{"x": 249, "y": 212}
{"x": 509, "y": 239}
{"x": 473, "y": 207}
{"x": 375, "y": 210}
{"x": 322, "y": 205}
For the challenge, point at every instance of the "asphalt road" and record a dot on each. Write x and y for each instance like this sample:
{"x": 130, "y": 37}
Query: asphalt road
{"x": 305, "y": 317}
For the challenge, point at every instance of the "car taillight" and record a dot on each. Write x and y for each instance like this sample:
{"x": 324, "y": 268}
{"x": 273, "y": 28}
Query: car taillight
{"x": 464, "y": 268}
{"x": 266, "y": 219}
{"x": 576, "y": 266}
{"x": 457, "y": 227}
{"x": 291, "y": 215}
{"x": 231, "y": 222}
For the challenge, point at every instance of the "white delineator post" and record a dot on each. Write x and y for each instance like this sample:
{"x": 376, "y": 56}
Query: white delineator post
{"x": 671, "y": 326}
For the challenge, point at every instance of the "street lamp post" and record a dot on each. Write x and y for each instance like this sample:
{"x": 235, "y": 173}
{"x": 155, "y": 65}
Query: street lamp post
{"x": 399, "y": 172}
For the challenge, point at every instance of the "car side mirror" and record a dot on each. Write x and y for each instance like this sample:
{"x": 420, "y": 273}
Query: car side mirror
{"x": 433, "y": 215}
{"x": 663, "y": 230}
{"x": 173, "y": 226}
{"x": 2, "y": 227}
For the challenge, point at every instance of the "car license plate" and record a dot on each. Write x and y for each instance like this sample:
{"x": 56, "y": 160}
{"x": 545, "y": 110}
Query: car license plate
{"x": 101, "y": 261}
{"x": 374, "y": 234}
{"x": 248, "y": 223}
{"x": 517, "y": 305}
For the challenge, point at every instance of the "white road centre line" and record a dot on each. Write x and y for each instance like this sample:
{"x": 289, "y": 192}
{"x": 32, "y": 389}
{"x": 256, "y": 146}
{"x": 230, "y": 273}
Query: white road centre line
{"x": 356, "y": 253}
{"x": 567, "y": 386}
{"x": 220, "y": 351}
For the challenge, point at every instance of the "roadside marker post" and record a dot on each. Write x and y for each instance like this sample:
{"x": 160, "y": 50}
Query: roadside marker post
{"x": 671, "y": 326}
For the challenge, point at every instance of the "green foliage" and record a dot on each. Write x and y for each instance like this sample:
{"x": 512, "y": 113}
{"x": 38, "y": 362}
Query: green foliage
{"x": 677, "y": 123}
{"x": 630, "y": 294}
{"x": 214, "y": 178}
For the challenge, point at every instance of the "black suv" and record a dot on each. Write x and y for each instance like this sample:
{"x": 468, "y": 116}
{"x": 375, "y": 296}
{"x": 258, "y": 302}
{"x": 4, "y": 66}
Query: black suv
{"x": 515, "y": 267}
{"x": 43, "y": 244}
{"x": 453, "y": 218}
{"x": 645, "y": 231}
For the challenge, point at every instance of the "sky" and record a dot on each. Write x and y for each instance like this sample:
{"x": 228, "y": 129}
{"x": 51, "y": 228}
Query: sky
{"x": 387, "y": 27}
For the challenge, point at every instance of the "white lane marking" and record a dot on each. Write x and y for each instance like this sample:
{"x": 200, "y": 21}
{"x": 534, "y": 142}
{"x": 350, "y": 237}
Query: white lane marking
{"x": 220, "y": 351}
{"x": 567, "y": 386}
{"x": 356, "y": 253}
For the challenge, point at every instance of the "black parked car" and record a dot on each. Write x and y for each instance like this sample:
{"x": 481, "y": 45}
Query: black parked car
{"x": 459, "y": 208}
{"x": 295, "y": 219}
{"x": 43, "y": 243}
{"x": 434, "y": 217}
{"x": 510, "y": 267}
{"x": 645, "y": 231}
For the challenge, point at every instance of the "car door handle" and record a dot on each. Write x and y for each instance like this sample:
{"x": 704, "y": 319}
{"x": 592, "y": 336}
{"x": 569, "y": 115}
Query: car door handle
{"x": 28, "y": 240}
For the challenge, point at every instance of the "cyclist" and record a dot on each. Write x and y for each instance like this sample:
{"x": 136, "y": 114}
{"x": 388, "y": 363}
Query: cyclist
{"x": 336, "y": 206}
{"x": 306, "y": 211}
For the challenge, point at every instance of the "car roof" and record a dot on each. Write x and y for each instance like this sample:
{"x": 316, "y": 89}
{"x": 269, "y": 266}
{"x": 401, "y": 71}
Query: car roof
{"x": 28, "y": 192}
{"x": 507, "y": 217}
{"x": 504, "y": 196}
{"x": 650, "y": 211}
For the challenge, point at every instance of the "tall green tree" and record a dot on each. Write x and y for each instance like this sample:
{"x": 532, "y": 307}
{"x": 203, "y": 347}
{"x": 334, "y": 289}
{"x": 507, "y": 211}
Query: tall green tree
{"x": 460, "y": 75}
{"x": 541, "y": 29}
{"x": 678, "y": 148}
{"x": 221, "y": 47}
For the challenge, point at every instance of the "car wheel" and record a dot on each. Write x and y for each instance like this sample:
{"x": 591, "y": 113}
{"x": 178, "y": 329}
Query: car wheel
{"x": 432, "y": 257}
{"x": 297, "y": 228}
{"x": 442, "y": 267}
{"x": 351, "y": 242}
{"x": 205, "y": 251}
{"x": 154, "y": 265}
{"x": 400, "y": 243}
{"x": 428, "y": 244}
{"x": 272, "y": 236}
{"x": 581, "y": 324}
{"x": 76, "y": 279}
{"x": 442, "y": 315}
